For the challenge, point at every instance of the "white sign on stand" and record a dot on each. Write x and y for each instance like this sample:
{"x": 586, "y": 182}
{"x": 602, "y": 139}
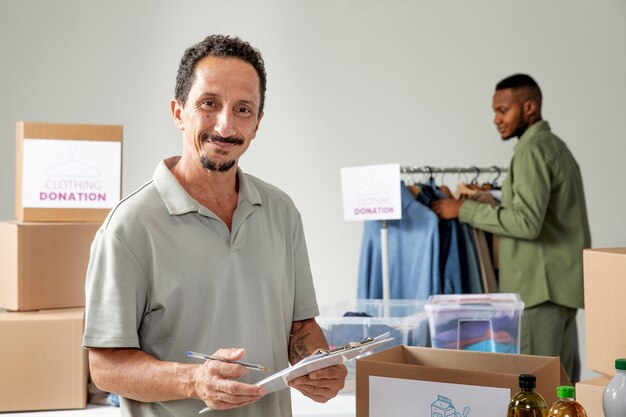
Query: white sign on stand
{"x": 371, "y": 192}
{"x": 71, "y": 173}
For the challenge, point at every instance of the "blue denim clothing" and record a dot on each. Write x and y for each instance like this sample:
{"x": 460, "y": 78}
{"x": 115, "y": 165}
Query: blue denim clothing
{"x": 413, "y": 243}
{"x": 449, "y": 231}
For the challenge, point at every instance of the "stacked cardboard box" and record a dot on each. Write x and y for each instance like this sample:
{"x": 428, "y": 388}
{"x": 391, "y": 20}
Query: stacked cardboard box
{"x": 44, "y": 366}
{"x": 605, "y": 314}
{"x": 43, "y": 262}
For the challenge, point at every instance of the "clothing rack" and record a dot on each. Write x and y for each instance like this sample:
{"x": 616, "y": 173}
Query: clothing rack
{"x": 426, "y": 169}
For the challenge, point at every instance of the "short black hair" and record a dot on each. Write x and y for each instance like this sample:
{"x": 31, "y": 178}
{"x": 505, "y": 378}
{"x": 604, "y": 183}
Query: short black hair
{"x": 517, "y": 81}
{"x": 219, "y": 46}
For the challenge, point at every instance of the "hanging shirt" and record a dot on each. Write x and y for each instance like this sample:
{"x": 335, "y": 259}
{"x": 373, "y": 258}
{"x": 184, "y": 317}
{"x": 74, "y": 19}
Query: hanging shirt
{"x": 451, "y": 267}
{"x": 413, "y": 244}
{"x": 542, "y": 221}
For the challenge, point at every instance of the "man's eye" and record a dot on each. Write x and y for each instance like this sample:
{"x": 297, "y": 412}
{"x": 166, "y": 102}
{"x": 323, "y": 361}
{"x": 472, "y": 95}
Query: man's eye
{"x": 208, "y": 103}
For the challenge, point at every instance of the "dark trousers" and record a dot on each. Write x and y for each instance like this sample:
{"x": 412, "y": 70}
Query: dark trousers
{"x": 550, "y": 330}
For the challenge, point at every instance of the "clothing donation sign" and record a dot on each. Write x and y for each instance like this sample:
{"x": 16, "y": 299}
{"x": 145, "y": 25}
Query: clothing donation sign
{"x": 371, "y": 192}
{"x": 67, "y": 172}
{"x": 71, "y": 173}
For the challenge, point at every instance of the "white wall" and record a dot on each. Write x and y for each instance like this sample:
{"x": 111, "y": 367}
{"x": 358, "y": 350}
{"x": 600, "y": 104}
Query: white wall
{"x": 350, "y": 82}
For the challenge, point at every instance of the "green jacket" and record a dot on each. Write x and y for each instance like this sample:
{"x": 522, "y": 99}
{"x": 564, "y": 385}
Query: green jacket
{"x": 542, "y": 220}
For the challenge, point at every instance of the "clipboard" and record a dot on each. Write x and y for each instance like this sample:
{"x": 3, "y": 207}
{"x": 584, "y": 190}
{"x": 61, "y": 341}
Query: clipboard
{"x": 322, "y": 359}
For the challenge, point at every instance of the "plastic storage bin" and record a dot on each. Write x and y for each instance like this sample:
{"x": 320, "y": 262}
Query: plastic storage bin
{"x": 482, "y": 322}
{"x": 354, "y": 320}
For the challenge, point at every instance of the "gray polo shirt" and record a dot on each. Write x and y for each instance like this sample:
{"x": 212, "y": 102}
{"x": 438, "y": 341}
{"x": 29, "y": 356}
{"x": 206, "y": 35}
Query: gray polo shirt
{"x": 167, "y": 276}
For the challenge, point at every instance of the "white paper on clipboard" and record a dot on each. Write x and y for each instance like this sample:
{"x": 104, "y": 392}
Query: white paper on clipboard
{"x": 279, "y": 380}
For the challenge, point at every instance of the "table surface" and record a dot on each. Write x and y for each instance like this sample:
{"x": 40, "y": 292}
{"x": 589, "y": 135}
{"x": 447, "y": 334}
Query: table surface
{"x": 342, "y": 405}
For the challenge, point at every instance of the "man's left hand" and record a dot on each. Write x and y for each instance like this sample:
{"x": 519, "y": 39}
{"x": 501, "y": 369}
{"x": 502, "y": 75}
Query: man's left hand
{"x": 321, "y": 385}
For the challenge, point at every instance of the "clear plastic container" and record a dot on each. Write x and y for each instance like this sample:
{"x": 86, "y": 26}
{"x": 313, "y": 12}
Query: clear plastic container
{"x": 354, "y": 320}
{"x": 481, "y": 322}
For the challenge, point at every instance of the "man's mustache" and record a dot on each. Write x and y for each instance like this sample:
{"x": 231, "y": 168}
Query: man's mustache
{"x": 218, "y": 138}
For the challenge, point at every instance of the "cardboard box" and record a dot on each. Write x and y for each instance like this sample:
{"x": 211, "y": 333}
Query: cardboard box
{"x": 44, "y": 366}
{"x": 67, "y": 172}
{"x": 43, "y": 265}
{"x": 605, "y": 310}
{"x": 452, "y": 367}
{"x": 589, "y": 395}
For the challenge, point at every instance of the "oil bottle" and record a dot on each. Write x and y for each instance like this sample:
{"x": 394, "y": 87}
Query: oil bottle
{"x": 527, "y": 402}
{"x": 566, "y": 405}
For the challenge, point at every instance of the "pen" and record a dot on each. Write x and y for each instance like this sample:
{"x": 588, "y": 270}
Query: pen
{"x": 213, "y": 358}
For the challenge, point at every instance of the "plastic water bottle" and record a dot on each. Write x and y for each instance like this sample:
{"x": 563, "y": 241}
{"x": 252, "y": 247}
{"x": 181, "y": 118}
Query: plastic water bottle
{"x": 527, "y": 402}
{"x": 614, "y": 397}
{"x": 566, "y": 405}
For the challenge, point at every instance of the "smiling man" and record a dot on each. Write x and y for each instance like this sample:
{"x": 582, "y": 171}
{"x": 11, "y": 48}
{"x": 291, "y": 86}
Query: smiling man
{"x": 205, "y": 258}
{"x": 542, "y": 220}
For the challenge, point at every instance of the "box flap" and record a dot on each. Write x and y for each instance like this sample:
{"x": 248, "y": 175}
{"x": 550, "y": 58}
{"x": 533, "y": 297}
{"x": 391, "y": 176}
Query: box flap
{"x": 613, "y": 251}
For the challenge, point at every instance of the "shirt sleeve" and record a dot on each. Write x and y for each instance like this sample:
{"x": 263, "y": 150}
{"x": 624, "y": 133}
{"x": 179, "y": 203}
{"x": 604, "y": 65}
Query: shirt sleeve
{"x": 115, "y": 294}
{"x": 305, "y": 305}
{"x": 530, "y": 189}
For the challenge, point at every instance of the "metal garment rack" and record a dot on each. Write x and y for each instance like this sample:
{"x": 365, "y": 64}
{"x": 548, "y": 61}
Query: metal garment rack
{"x": 426, "y": 169}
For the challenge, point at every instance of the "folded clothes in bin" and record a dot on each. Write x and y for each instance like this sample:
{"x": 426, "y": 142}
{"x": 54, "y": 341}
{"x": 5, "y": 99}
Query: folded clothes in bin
{"x": 342, "y": 334}
{"x": 491, "y": 335}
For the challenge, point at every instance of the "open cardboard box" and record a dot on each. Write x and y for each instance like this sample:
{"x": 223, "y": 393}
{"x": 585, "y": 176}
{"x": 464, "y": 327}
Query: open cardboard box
{"x": 475, "y": 369}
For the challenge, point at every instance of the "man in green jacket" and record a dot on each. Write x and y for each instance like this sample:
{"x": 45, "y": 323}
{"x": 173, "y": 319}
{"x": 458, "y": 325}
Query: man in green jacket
{"x": 542, "y": 221}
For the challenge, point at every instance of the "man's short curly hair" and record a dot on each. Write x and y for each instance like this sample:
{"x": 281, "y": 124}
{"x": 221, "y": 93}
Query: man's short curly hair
{"x": 219, "y": 46}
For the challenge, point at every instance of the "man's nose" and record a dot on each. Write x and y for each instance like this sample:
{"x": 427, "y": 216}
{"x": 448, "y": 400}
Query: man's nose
{"x": 225, "y": 123}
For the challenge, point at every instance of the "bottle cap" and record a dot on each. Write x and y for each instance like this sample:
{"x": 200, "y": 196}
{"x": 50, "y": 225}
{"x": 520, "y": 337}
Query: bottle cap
{"x": 527, "y": 381}
{"x": 620, "y": 364}
{"x": 565, "y": 391}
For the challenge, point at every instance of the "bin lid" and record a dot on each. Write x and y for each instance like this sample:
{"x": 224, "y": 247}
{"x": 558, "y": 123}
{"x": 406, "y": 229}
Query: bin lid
{"x": 508, "y": 301}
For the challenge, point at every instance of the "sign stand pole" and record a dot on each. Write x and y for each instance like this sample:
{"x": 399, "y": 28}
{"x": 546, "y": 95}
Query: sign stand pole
{"x": 384, "y": 249}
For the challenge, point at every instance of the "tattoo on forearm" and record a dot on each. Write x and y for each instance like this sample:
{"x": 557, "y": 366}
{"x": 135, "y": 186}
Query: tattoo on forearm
{"x": 298, "y": 349}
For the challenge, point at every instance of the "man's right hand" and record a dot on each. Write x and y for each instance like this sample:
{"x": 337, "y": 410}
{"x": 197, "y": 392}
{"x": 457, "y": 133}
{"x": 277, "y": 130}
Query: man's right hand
{"x": 214, "y": 384}
{"x": 447, "y": 208}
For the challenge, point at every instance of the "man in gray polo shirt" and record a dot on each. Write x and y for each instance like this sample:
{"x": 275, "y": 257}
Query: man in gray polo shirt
{"x": 205, "y": 258}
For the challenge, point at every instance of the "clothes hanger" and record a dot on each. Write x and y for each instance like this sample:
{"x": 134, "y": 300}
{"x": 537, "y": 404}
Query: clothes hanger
{"x": 494, "y": 182}
{"x": 412, "y": 186}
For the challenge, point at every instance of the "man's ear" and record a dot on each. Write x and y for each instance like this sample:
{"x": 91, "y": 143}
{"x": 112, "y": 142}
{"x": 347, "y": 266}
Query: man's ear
{"x": 530, "y": 108}
{"x": 177, "y": 113}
